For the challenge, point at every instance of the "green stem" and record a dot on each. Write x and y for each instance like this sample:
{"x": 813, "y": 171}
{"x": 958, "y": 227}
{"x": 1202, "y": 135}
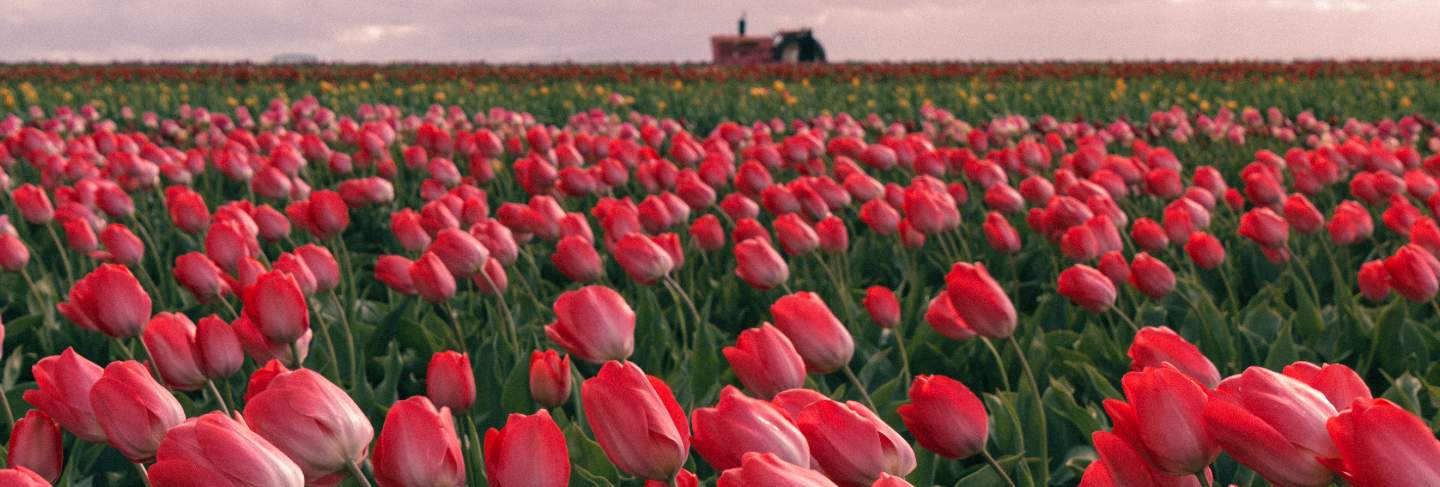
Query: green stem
{"x": 904, "y": 355}
{"x": 357, "y": 474}
{"x": 1204, "y": 481}
{"x": 864, "y": 394}
{"x": 999, "y": 364}
{"x": 334, "y": 365}
{"x": 1133, "y": 327}
{"x": 219, "y": 398}
{"x": 349, "y": 335}
{"x": 454, "y": 320}
{"x": 62, "y": 250}
{"x": 505, "y": 311}
{"x": 998, "y": 469}
{"x": 1039, "y": 403}
{"x": 144, "y": 475}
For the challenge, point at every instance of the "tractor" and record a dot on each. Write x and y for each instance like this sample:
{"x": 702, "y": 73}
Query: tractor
{"x": 786, "y": 46}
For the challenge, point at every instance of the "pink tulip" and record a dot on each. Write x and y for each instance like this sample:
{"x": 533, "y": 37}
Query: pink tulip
{"x": 593, "y": 323}
{"x": 64, "y": 382}
{"x": 133, "y": 409}
{"x": 739, "y": 424}
{"x": 311, "y": 420}
{"x": 822, "y": 341}
{"x": 216, "y": 450}
{"x": 636, "y": 420}
{"x": 530, "y": 451}
{"x": 418, "y": 447}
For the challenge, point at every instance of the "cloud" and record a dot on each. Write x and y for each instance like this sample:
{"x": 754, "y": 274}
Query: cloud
{"x": 659, "y": 31}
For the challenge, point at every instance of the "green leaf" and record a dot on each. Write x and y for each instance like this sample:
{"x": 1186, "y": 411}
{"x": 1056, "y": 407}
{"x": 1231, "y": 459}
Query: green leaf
{"x": 1282, "y": 351}
{"x": 1060, "y": 398}
{"x": 587, "y": 460}
{"x": 515, "y": 396}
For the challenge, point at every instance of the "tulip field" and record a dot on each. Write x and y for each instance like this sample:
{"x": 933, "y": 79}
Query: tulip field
{"x": 853, "y": 275}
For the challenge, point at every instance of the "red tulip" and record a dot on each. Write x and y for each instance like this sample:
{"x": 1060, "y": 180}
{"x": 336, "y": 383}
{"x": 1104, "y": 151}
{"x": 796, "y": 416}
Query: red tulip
{"x": 757, "y": 263}
{"x": 200, "y": 276}
{"x": 108, "y": 300}
{"x": 405, "y": 224}
{"x": 1114, "y": 266}
{"x": 1205, "y": 250}
{"x": 941, "y": 316}
{"x": 64, "y": 382}
{"x": 822, "y": 341}
{"x": 322, "y": 265}
{"x": 1168, "y": 407}
{"x": 449, "y": 381}
{"x": 1149, "y": 235}
{"x": 1350, "y": 223}
{"x": 796, "y": 237}
{"x": 1339, "y": 383}
{"x": 1154, "y": 346}
{"x": 575, "y": 256}
{"x": 35, "y": 444}
{"x": 880, "y": 216}
{"x": 1151, "y": 276}
{"x": 883, "y": 307}
{"x": 766, "y": 470}
{"x": 1381, "y": 444}
{"x": 462, "y": 254}
{"x": 642, "y": 259}
{"x": 33, "y": 203}
{"x": 550, "y": 378}
{"x": 945, "y": 417}
{"x": 1262, "y": 448}
{"x": 765, "y": 361}
{"x": 593, "y": 323}
{"x": 987, "y": 309}
{"x": 394, "y": 272}
{"x": 124, "y": 247}
{"x": 739, "y": 424}
{"x": 418, "y": 447}
{"x": 1414, "y": 273}
{"x": 169, "y": 339}
{"x": 311, "y": 420}
{"x": 636, "y": 420}
{"x": 1264, "y": 227}
{"x": 14, "y": 256}
{"x": 275, "y": 305}
{"x": 217, "y": 348}
{"x": 834, "y": 238}
{"x": 292, "y": 265}
{"x": 187, "y": 209}
{"x": 216, "y": 450}
{"x": 272, "y": 225}
{"x": 707, "y": 233}
{"x": 1126, "y": 464}
{"x": 227, "y": 243}
{"x": 433, "y": 282}
{"x": 1000, "y": 235}
{"x": 529, "y": 451}
{"x": 851, "y": 444}
{"x": 328, "y": 214}
{"x": 21, "y": 477}
{"x": 931, "y": 212}
{"x": 1302, "y": 214}
{"x": 492, "y": 280}
{"x": 1087, "y": 288}
{"x": 133, "y": 409}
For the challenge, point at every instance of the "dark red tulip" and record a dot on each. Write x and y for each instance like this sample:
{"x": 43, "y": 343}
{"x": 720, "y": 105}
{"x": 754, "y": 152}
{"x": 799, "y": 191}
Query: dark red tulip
{"x": 945, "y": 417}
{"x": 1087, "y": 288}
{"x": 1151, "y": 276}
{"x": 883, "y": 307}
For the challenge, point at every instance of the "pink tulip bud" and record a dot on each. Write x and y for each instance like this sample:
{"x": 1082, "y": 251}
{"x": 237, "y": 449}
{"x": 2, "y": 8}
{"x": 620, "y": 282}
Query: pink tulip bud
{"x": 284, "y": 413}
{"x": 987, "y": 308}
{"x": 576, "y": 257}
{"x": 418, "y": 446}
{"x": 593, "y": 323}
{"x": 276, "y": 306}
{"x": 108, "y": 300}
{"x": 757, "y": 263}
{"x": 636, "y": 421}
{"x": 822, "y": 341}
{"x": 134, "y": 410}
{"x": 35, "y": 444}
{"x": 528, "y": 451}
{"x": 431, "y": 279}
{"x": 549, "y": 378}
{"x": 1087, "y": 288}
{"x": 64, "y": 382}
{"x": 450, "y": 382}
{"x": 169, "y": 339}
{"x": 218, "y": 450}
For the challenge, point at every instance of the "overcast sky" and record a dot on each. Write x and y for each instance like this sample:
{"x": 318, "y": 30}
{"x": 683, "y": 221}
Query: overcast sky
{"x": 658, "y": 31}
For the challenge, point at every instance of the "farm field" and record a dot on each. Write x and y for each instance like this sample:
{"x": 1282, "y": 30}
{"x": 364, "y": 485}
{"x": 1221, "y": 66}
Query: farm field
{"x": 1128, "y": 274}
